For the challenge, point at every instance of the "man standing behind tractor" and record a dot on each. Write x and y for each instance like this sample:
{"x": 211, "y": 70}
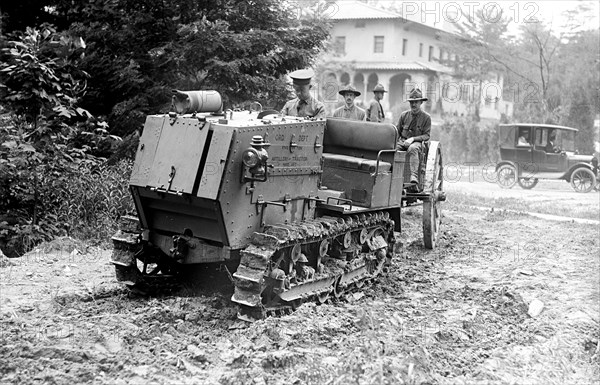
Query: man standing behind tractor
{"x": 304, "y": 105}
{"x": 414, "y": 126}
{"x": 375, "y": 111}
{"x": 350, "y": 110}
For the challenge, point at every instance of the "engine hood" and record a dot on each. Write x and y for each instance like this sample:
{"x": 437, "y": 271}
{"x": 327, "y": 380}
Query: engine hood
{"x": 574, "y": 159}
{"x": 580, "y": 159}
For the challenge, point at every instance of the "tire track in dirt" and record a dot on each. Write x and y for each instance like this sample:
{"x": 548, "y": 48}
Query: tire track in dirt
{"x": 456, "y": 314}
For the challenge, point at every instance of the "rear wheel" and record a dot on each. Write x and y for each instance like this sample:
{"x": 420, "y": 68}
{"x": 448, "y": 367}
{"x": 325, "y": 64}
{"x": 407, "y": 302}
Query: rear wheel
{"x": 432, "y": 218}
{"x": 583, "y": 180}
{"x": 434, "y": 183}
{"x": 527, "y": 183}
{"x": 507, "y": 176}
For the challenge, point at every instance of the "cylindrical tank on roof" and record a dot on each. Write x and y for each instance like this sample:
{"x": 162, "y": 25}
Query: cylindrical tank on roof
{"x": 185, "y": 102}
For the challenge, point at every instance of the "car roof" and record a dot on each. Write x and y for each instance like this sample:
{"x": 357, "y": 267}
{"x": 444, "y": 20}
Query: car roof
{"x": 540, "y": 125}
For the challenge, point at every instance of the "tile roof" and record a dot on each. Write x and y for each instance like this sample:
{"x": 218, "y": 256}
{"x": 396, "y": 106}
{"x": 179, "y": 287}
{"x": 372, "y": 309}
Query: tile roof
{"x": 352, "y": 10}
{"x": 401, "y": 66}
{"x": 357, "y": 10}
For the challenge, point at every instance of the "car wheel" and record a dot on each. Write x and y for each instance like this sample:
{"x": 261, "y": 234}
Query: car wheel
{"x": 527, "y": 183}
{"x": 583, "y": 180}
{"x": 506, "y": 176}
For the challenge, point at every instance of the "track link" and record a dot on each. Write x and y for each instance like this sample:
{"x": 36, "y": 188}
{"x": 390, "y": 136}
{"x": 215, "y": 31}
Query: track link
{"x": 128, "y": 251}
{"x": 340, "y": 254}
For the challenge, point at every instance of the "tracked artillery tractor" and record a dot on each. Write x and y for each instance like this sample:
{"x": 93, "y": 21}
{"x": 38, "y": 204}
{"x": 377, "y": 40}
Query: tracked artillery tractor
{"x": 299, "y": 209}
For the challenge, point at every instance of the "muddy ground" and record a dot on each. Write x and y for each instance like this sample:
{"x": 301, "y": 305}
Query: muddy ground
{"x": 455, "y": 315}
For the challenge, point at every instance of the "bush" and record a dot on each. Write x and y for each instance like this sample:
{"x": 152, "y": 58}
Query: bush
{"x": 90, "y": 205}
{"x": 84, "y": 202}
{"x": 60, "y": 190}
{"x": 52, "y": 175}
{"x": 467, "y": 141}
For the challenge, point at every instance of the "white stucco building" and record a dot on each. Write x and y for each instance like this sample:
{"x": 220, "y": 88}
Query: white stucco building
{"x": 372, "y": 45}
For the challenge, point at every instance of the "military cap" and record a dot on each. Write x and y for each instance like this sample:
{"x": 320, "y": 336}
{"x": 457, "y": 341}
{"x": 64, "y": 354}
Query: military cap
{"x": 416, "y": 96}
{"x": 379, "y": 88}
{"x": 302, "y": 77}
{"x": 349, "y": 88}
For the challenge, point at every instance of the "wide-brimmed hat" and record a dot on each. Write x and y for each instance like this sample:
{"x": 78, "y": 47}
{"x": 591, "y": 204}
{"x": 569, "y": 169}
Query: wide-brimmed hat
{"x": 302, "y": 77}
{"x": 379, "y": 88}
{"x": 349, "y": 88}
{"x": 416, "y": 96}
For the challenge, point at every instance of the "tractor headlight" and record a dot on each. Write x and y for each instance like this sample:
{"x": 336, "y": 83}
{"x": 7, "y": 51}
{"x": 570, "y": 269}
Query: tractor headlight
{"x": 250, "y": 158}
{"x": 255, "y": 159}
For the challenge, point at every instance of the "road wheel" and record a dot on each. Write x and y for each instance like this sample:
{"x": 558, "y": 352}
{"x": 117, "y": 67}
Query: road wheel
{"x": 527, "y": 183}
{"x": 583, "y": 180}
{"x": 507, "y": 176}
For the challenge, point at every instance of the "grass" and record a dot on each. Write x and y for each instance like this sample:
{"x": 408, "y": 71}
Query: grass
{"x": 458, "y": 200}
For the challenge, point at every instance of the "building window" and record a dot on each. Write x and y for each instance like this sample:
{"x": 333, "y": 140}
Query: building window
{"x": 404, "y": 46}
{"x": 430, "y": 52}
{"x": 378, "y": 44}
{"x": 464, "y": 93}
{"x": 420, "y": 49}
{"x": 441, "y": 54}
{"x": 340, "y": 45}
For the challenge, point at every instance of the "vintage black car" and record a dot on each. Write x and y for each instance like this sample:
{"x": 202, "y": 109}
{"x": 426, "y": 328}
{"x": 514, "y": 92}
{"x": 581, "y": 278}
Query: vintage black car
{"x": 529, "y": 152}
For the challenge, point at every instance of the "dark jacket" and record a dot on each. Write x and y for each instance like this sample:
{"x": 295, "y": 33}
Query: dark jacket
{"x": 421, "y": 131}
{"x": 375, "y": 112}
{"x": 311, "y": 108}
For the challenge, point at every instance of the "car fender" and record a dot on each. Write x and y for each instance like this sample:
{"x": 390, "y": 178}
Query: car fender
{"x": 503, "y": 162}
{"x": 527, "y": 170}
{"x": 576, "y": 166}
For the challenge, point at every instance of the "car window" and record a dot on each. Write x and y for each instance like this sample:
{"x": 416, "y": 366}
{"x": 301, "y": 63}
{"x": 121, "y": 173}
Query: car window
{"x": 523, "y": 138}
{"x": 541, "y": 136}
{"x": 566, "y": 140}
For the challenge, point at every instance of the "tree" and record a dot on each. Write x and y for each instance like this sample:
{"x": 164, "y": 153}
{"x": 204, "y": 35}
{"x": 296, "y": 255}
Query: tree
{"x": 244, "y": 52}
{"x": 18, "y": 15}
{"x": 479, "y": 54}
{"x": 138, "y": 50}
{"x": 579, "y": 85}
{"x": 542, "y": 76}
{"x": 45, "y": 137}
{"x": 535, "y": 56}
{"x": 40, "y": 79}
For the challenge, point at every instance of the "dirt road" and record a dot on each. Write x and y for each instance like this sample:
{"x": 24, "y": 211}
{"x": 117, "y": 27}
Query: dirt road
{"x": 455, "y": 315}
